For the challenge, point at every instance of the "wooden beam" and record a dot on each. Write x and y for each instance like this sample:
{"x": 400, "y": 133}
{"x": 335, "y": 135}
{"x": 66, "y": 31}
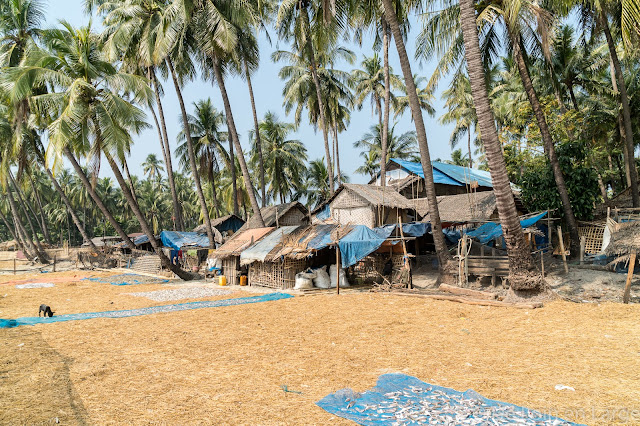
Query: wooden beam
{"x": 468, "y": 292}
{"x": 469, "y": 301}
{"x": 564, "y": 255}
{"x": 627, "y": 288}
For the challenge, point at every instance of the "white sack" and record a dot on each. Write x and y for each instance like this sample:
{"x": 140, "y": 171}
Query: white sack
{"x": 322, "y": 278}
{"x": 302, "y": 282}
{"x": 334, "y": 277}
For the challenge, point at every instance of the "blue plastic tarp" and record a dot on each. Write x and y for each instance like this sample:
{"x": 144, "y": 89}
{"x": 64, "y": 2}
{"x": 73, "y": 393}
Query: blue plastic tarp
{"x": 448, "y": 174}
{"x": 415, "y": 229}
{"x": 402, "y": 399}
{"x": 361, "y": 242}
{"x": 322, "y": 238}
{"x": 178, "y": 240}
{"x": 324, "y": 214}
{"x": 260, "y": 250}
{"x": 11, "y": 323}
{"x": 464, "y": 175}
{"x": 416, "y": 168}
{"x": 491, "y": 230}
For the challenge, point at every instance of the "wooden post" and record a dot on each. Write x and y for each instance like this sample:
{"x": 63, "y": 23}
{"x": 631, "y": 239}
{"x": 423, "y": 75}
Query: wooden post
{"x": 463, "y": 258}
{"x": 564, "y": 255}
{"x": 337, "y": 269}
{"x": 14, "y": 266}
{"x": 542, "y": 262}
{"x": 54, "y": 263}
{"x": 583, "y": 244}
{"x": 404, "y": 250}
{"x": 627, "y": 287}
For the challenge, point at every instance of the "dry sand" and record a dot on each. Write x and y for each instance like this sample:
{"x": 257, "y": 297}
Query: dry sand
{"x": 227, "y": 365}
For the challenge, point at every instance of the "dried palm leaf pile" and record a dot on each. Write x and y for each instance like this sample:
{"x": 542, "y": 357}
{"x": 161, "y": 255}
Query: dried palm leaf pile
{"x": 231, "y": 365}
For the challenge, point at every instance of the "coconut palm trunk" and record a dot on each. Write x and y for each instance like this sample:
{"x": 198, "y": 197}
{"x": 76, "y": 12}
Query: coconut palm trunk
{"x": 125, "y": 165}
{"x": 10, "y": 229}
{"x": 74, "y": 217}
{"x": 43, "y": 222}
{"x": 166, "y": 262}
{"x": 24, "y": 206}
{"x": 469, "y": 146}
{"x": 232, "y": 171}
{"x": 31, "y": 251}
{"x": 626, "y": 129}
{"x": 192, "y": 157}
{"x": 316, "y": 83}
{"x": 336, "y": 154}
{"x": 520, "y": 260}
{"x": 214, "y": 196}
{"x": 438, "y": 237}
{"x": 387, "y": 100}
{"x": 166, "y": 152}
{"x": 236, "y": 142}
{"x": 258, "y": 140}
{"x": 548, "y": 144}
{"x": 96, "y": 198}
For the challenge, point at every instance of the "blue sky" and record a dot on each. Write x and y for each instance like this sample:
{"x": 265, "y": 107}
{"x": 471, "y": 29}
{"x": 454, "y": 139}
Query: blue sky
{"x": 267, "y": 88}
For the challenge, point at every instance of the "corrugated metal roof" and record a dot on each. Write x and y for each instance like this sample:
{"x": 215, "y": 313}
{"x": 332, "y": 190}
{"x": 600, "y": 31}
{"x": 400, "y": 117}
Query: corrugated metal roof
{"x": 448, "y": 174}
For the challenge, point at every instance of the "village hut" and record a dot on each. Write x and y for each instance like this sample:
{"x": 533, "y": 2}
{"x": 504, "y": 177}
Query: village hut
{"x": 229, "y": 253}
{"x": 226, "y": 225}
{"x": 264, "y": 269}
{"x": 369, "y": 205}
{"x": 288, "y": 214}
{"x": 624, "y": 245}
{"x": 8, "y": 245}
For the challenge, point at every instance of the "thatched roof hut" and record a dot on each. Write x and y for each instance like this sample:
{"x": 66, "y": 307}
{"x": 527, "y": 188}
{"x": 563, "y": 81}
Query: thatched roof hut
{"x": 625, "y": 240}
{"x": 288, "y": 214}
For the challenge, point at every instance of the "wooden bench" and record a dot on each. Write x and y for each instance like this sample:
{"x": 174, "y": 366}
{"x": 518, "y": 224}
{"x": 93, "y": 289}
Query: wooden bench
{"x": 486, "y": 266}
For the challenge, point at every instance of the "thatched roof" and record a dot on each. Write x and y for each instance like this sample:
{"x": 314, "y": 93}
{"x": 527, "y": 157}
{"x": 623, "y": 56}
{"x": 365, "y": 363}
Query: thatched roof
{"x": 476, "y": 207}
{"x": 625, "y": 239}
{"x": 270, "y": 213}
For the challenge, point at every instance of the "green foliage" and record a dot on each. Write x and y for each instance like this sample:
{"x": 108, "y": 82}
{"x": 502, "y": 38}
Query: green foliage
{"x": 539, "y": 190}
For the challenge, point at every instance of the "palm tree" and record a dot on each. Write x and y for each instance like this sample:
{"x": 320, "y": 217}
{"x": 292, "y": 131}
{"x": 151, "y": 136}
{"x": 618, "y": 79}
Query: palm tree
{"x": 217, "y": 50}
{"x": 284, "y": 158}
{"x": 520, "y": 260}
{"x": 294, "y": 22}
{"x": 460, "y": 110}
{"x": 414, "y": 102}
{"x": 208, "y": 138}
{"x": 425, "y": 97}
{"x": 152, "y": 167}
{"x": 403, "y": 147}
{"x": 133, "y": 34}
{"x": 86, "y": 101}
{"x": 299, "y": 91}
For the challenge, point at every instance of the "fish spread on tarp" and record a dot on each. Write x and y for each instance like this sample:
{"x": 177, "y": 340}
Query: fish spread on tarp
{"x": 399, "y": 399}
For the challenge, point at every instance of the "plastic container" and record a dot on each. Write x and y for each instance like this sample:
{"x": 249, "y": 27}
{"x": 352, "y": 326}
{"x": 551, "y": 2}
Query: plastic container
{"x": 243, "y": 280}
{"x": 222, "y": 280}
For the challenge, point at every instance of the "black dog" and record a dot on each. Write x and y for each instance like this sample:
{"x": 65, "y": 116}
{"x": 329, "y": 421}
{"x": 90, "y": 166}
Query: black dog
{"x": 46, "y": 309}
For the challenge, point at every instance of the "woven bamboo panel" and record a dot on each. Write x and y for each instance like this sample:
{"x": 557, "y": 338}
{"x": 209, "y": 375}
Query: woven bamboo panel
{"x": 281, "y": 275}
{"x": 354, "y": 216}
{"x": 348, "y": 199}
{"x": 593, "y": 238}
{"x": 370, "y": 268}
{"x": 230, "y": 269}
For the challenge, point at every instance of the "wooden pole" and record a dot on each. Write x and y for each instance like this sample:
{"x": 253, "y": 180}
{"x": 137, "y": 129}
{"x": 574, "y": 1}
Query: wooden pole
{"x": 542, "y": 262}
{"x": 54, "y": 263}
{"x": 14, "y": 266}
{"x": 337, "y": 269}
{"x": 406, "y": 262}
{"x": 627, "y": 287}
{"x": 564, "y": 255}
{"x": 583, "y": 244}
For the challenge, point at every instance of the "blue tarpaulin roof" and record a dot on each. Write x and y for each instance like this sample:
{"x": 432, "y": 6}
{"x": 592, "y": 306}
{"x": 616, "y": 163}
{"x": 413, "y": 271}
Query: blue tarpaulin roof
{"x": 411, "y": 229}
{"x": 323, "y": 237}
{"x": 491, "y": 231}
{"x": 260, "y": 250}
{"x": 177, "y": 240}
{"x": 361, "y": 242}
{"x": 448, "y": 174}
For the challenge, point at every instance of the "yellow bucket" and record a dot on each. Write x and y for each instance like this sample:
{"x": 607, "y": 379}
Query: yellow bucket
{"x": 222, "y": 280}
{"x": 243, "y": 280}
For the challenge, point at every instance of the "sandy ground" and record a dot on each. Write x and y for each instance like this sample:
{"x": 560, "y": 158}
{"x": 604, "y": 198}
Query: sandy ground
{"x": 228, "y": 365}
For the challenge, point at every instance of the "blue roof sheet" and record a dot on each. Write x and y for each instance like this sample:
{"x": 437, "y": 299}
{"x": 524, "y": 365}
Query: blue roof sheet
{"x": 177, "y": 240}
{"x": 448, "y": 174}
